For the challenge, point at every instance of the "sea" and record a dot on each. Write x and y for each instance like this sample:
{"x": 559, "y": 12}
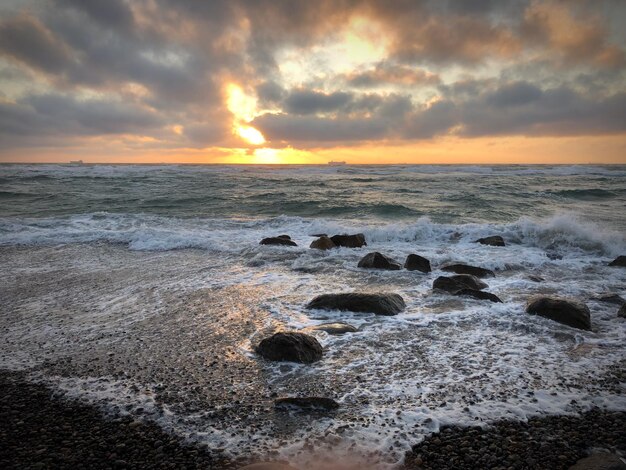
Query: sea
{"x": 143, "y": 290}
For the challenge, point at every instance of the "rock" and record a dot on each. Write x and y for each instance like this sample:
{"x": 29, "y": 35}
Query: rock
{"x": 495, "y": 240}
{"x": 467, "y": 269}
{"x": 349, "y": 241}
{"x": 622, "y": 311}
{"x": 322, "y": 243}
{"x": 290, "y": 346}
{"x": 319, "y": 235}
{"x": 619, "y": 261}
{"x": 377, "y": 260}
{"x": 335, "y": 328}
{"x": 308, "y": 403}
{"x": 567, "y": 311}
{"x": 380, "y": 304}
{"x": 609, "y": 298}
{"x": 268, "y": 466}
{"x": 277, "y": 241}
{"x": 453, "y": 284}
{"x": 534, "y": 278}
{"x": 478, "y": 294}
{"x": 599, "y": 462}
{"x": 472, "y": 282}
{"x": 286, "y": 237}
{"x": 417, "y": 263}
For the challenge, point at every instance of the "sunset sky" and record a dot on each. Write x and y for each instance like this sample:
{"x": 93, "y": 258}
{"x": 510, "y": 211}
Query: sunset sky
{"x": 284, "y": 81}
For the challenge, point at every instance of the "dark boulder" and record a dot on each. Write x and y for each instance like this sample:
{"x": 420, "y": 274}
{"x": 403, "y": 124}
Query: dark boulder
{"x": 622, "y": 311}
{"x": 453, "y": 284}
{"x": 323, "y": 243}
{"x": 307, "y": 403}
{"x": 286, "y": 237}
{"x": 467, "y": 269}
{"x": 277, "y": 241}
{"x": 619, "y": 261}
{"x": 288, "y": 346}
{"x": 380, "y": 304}
{"x": 417, "y": 263}
{"x": 337, "y": 328}
{"x": 495, "y": 240}
{"x": 349, "y": 241}
{"x": 567, "y": 311}
{"x": 318, "y": 235}
{"x": 377, "y": 260}
{"x": 535, "y": 278}
{"x": 478, "y": 294}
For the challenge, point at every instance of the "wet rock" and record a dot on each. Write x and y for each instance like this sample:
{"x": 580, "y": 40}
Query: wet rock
{"x": 467, "y": 269}
{"x": 380, "y": 304}
{"x": 417, "y": 263}
{"x": 307, "y": 403}
{"x": 318, "y": 235}
{"x": 277, "y": 241}
{"x": 322, "y": 243}
{"x": 349, "y": 241}
{"x": 286, "y": 237}
{"x": 453, "y": 284}
{"x": 495, "y": 240}
{"x": 290, "y": 346}
{"x": 622, "y": 311}
{"x": 478, "y": 294}
{"x": 268, "y": 466}
{"x": 377, "y": 260}
{"x": 534, "y": 278}
{"x": 600, "y": 462}
{"x": 619, "y": 261}
{"x": 609, "y": 298}
{"x": 567, "y": 311}
{"x": 337, "y": 328}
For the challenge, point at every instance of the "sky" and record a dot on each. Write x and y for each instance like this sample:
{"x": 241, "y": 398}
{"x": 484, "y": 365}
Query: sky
{"x": 290, "y": 81}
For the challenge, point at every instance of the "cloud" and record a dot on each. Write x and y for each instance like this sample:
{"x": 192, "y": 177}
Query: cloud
{"x": 75, "y": 68}
{"x": 390, "y": 74}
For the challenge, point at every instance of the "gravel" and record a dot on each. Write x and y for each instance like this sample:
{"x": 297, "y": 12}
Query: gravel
{"x": 554, "y": 442}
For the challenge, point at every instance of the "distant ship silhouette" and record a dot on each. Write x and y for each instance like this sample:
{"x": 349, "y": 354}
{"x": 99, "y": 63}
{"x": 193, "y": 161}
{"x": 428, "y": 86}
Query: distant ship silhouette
{"x": 333, "y": 163}
{"x": 76, "y": 162}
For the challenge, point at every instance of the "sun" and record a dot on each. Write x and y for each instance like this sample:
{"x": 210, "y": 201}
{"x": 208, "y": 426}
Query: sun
{"x": 250, "y": 134}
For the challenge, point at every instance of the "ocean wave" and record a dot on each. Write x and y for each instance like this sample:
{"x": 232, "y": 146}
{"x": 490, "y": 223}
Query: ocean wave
{"x": 585, "y": 194}
{"x": 565, "y": 232}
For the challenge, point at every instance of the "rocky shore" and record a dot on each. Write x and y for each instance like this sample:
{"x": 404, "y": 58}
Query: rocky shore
{"x": 40, "y": 430}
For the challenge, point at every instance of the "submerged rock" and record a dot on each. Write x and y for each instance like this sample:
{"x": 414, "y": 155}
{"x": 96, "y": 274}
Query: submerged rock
{"x": 417, "y": 263}
{"x": 380, "y": 304}
{"x": 290, "y": 346}
{"x": 535, "y": 278}
{"x": 278, "y": 241}
{"x": 349, "y": 241}
{"x": 599, "y": 462}
{"x": 567, "y": 311}
{"x": 453, "y": 284}
{"x": 322, "y": 243}
{"x": 286, "y": 237}
{"x": 619, "y": 261}
{"x": 622, "y": 311}
{"x": 377, "y": 260}
{"x": 494, "y": 240}
{"x": 609, "y": 298}
{"x": 337, "y": 328}
{"x": 307, "y": 403}
{"x": 268, "y": 466}
{"x": 478, "y": 294}
{"x": 467, "y": 269}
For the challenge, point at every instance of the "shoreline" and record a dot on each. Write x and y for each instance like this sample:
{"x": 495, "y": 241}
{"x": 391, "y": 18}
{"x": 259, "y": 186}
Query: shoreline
{"x": 41, "y": 429}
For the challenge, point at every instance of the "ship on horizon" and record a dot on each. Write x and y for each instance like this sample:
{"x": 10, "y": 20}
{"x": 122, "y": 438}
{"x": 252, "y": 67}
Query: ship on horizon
{"x": 76, "y": 162}
{"x": 333, "y": 163}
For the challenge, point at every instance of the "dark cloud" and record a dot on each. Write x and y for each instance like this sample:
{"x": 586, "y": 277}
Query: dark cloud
{"x": 312, "y": 102}
{"x": 391, "y": 74}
